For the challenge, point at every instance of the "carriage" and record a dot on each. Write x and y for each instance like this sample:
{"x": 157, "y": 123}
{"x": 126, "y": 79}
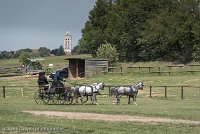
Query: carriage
{"x": 49, "y": 94}
{"x": 54, "y": 92}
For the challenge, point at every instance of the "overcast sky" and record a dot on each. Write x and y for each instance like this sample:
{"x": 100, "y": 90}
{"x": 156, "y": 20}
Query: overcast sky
{"x": 41, "y": 23}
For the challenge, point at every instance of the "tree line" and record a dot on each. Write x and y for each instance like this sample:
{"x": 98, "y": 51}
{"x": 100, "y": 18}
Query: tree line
{"x": 29, "y": 53}
{"x": 144, "y": 30}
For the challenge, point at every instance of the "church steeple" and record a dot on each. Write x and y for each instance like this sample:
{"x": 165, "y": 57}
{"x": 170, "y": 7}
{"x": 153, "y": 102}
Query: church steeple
{"x": 68, "y": 43}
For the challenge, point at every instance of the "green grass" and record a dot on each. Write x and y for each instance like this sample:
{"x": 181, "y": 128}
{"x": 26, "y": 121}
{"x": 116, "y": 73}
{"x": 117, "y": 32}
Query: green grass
{"x": 158, "y": 106}
{"x": 11, "y": 116}
{"x": 11, "y": 107}
{"x": 57, "y": 61}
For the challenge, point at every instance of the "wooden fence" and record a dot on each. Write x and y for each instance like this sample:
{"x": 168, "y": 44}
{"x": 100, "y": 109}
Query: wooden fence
{"x": 170, "y": 69}
{"x": 165, "y": 88}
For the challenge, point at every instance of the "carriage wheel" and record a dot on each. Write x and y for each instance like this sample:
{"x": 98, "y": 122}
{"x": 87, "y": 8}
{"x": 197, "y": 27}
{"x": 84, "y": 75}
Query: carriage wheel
{"x": 64, "y": 99}
{"x": 39, "y": 97}
{"x": 57, "y": 99}
{"x": 69, "y": 99}
{"x": 46, "y": 98}
{"x": 51, "y": 98}
{"x": 61, "y": 99}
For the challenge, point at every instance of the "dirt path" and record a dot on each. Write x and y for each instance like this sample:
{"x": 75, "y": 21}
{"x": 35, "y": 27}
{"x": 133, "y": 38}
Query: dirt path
{"x": 105, "y": 117}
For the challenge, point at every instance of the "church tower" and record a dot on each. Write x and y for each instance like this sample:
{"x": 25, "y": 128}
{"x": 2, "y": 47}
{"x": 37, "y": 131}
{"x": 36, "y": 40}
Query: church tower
{"x": 68, "y": 43}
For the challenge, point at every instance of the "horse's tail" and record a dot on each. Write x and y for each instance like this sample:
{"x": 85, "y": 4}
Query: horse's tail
{"x": 75, "y": 90}
{"x": 113, "y": 91}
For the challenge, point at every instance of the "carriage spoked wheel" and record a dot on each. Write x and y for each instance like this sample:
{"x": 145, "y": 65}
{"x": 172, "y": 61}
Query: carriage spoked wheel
{"x": 56, "y": 99}
{"x": 46, "y": 98}
{"x": 68, "y": 99}
{"x": 51, "y": 98}
{"x": 62, "y": 99}
{"x": 39, "y": 97}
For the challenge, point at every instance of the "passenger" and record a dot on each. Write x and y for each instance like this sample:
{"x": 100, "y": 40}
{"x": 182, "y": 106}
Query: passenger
{"x": 42, "y": 80}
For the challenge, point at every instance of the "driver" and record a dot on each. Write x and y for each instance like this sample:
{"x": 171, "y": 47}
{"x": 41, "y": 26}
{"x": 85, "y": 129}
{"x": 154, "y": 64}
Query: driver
{"x": 57, "y": 81}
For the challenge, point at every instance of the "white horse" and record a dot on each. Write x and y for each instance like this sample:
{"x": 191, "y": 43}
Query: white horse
{"x": 92, "y": 90}
{"x": 130, "y": 91}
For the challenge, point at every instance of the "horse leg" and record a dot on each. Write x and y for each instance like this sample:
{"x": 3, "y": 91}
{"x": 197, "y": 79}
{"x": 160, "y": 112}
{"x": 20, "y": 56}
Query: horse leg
{"x": 91, "y": 99}
{"x": 118, "y": 98}
{"x": 81, "y": 98}
{"x": 75, "y": 99}
{"x": 86, "y": 99}
{"x": 134, "y": 99}
{"x": 95, "y": 98}
{"x": 129, "y": 97}
{"x": 113, "y": 98}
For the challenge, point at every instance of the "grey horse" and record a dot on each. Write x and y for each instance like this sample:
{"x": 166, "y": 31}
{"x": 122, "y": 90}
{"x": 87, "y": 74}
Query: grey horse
{"x": 130, "y": 91}
{"x": 92, "y": 90}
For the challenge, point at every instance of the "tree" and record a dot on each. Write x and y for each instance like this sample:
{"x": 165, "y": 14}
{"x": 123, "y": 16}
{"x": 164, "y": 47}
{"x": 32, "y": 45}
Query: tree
{"x": 93, "y": 34}
{"x": 23, "y": 57}
{"x": 44, "y": 51}
{"x": 173, "y": 40}
{"x": 54, "y": 51}
{"x": 17, "y": 54}
{"x": 5, "y": 55}
{"x": 143, "y": 30}
{"x": 60, "y": 51}
{"x": 81, "y": 48}
{"x": 108, "y": 52}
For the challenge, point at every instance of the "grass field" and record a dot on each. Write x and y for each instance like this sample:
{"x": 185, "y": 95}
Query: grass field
{"x": 13, "y": 120}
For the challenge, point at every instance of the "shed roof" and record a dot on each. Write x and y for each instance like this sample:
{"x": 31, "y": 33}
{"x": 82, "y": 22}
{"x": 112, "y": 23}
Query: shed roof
{"x": 94, "y": 59}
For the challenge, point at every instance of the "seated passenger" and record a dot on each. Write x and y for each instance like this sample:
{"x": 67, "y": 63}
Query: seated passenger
{"x": 42, "y": 80}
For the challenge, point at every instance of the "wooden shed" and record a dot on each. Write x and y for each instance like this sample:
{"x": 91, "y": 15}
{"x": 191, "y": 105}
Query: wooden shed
{"x": 79, "y": 67}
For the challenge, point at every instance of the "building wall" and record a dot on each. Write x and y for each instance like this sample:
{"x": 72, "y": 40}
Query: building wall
{"x": 68, "y": 43}
{"x": 76, "y": 68}
{"x": 95, "y": 67}
{"x": 86, "y": 68}
{"x": 72, "y": 69}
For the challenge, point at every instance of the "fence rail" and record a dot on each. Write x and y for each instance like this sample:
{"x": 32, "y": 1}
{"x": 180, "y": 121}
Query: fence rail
{"x": 170, "y": 69}
{"x": 165, "y": 88}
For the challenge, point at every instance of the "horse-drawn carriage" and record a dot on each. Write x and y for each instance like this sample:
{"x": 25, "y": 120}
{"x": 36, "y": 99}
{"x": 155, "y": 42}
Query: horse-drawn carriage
{"x": 57, "y": 93}
{"x": 54, "y": 92}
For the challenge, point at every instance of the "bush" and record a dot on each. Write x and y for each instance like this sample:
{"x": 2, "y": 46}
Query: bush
{"x": 108, "y": 52}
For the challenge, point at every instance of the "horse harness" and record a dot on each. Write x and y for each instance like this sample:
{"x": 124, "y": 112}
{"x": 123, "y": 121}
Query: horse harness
{"x": 88, "y": 93}
{"x": 132, "y": 90}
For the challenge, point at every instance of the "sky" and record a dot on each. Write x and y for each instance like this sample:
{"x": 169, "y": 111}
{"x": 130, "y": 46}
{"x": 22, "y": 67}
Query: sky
{"x": 41, "y": 23}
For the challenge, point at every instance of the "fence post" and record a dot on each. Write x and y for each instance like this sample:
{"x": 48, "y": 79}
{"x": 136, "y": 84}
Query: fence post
{"x": 150, "y": 91}
{"x": 4, "y": 92}
{"x": 121, "y": 70}
{"x": 182, "y": 92}
{"x": 199, "y": 93}
{"x": 165, "y": 91}
{"x": 22, "y": 92}
{"x": 109, "y": 91}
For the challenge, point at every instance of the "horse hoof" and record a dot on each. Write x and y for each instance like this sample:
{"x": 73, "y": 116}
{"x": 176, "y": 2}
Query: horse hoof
{"x": 97, "y": 104}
